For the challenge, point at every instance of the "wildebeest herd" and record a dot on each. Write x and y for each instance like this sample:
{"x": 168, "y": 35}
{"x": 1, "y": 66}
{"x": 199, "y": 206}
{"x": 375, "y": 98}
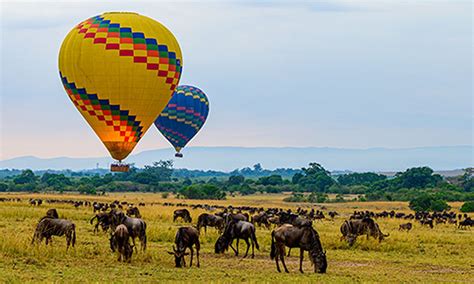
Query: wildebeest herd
{"x": 291, "y": 229}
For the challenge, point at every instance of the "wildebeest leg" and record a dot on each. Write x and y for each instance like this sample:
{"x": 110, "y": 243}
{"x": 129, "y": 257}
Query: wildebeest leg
{"x": 197, "y": 256}
{"x": 133, "y": 241}
{"x": 289, "y": 251}
{"x": 282, "y": 257}
{"x": 143, "y": 242}
{"x": 277, "y": 249}
{"x": 237, "y": 252}
{"x": 192, "y": 253}
{"x": 248, "y": 246}
{"x": 253, "y": 248}
{"x": 301, "y": 260}
{"x": 68, "y": 240}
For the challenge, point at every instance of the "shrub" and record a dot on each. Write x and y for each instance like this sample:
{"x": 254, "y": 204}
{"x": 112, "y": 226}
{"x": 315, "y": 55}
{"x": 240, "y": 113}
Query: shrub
{"x": 202, "y": 191}
{"x": 468, "y": 206}
{"x": 427, "y": 202}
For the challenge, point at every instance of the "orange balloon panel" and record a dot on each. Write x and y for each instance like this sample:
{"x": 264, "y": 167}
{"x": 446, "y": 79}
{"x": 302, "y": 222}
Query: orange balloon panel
{"x": 120, "y": 70}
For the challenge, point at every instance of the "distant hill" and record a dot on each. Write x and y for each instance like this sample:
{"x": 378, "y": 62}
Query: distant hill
{"x": 230, "y": 158}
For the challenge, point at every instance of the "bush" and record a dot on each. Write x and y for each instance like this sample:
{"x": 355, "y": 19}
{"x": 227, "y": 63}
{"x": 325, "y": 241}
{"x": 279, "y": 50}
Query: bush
{"x": 427, "y": 202}
{"x": 468, "y": 206}
{"x": 202, "y": 191}
{"x": 165, "y": 195}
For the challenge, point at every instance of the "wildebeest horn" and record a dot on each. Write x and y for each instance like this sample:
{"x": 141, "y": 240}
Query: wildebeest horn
{"x": 386, "y": 235}
{"x": 174, "y": 249}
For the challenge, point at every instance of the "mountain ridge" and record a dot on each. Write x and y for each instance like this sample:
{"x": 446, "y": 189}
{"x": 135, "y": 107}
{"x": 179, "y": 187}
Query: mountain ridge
{"x": 227, "y": 158}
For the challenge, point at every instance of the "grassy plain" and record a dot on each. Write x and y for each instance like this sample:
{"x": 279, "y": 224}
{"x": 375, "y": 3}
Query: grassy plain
{"x": 442, "y": 254}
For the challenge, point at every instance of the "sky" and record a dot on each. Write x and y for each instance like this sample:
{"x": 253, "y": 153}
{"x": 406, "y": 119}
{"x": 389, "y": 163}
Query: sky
{"x": 347, "y": 74}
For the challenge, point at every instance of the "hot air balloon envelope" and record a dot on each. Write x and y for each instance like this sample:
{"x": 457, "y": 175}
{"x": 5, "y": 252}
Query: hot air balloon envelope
{"x": 183, "y": 117}
{"x": 120, "y": 70}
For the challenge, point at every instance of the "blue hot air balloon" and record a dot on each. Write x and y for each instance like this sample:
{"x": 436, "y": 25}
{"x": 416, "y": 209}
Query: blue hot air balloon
{"x": 183, "y": 117}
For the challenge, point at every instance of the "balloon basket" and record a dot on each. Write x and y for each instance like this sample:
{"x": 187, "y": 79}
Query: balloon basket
{"x": 178, "y": 155}
{"x": 121, "y": 168}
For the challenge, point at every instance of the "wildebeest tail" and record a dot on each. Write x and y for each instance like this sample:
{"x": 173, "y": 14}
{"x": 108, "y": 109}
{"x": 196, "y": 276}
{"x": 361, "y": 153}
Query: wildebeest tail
{"x": 73, "y": 235}
{"x": 273, "y": 248}
{"x": 92, "y": 220}
{"x": 254, "y": 238}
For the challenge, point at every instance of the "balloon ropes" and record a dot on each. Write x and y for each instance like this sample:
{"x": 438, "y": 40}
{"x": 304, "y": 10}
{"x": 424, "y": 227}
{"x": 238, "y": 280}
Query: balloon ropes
{"x": 120, "y": 70}
{"x": 183, "y": 117}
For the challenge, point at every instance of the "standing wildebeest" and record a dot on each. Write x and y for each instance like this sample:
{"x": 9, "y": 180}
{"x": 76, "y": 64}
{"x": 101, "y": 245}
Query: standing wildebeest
{"x": 428, "y": 222}
{"x": 407, "y": 227}
{"x": 120, "y": 240}
{"x": 205, "y": 220}
{"x": 237, "y": 230}
{"x": 136, "y": 227}
{"x": 49, "y": 227}
{"x": 306, "y": 238}
{"x": 186, "y": 237}
{"x": 261, "y": 219}
{"x": 133, "y": 211}
{"x": 351, "y": 229}
{"x": 103, "y": 219}
{"x": 466, "y": 223}
{"x": 182, "y": 213}
{"x": 51, "y": 213}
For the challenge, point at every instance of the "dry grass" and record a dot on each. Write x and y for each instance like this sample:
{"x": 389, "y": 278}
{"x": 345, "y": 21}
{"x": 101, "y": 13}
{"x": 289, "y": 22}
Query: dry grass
{"x": 443, "y": 254}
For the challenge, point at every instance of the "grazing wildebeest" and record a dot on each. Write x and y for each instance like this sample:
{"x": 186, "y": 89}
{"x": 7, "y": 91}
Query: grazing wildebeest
{"x": 186, "y": 237}
{"x": 133, "y": 211}
{"x": 205, "y": 220}
{"x": 120, "y": 240}
{"x": 428, "y": 222}
{"x": 103, "y": 219}
{"x": 237, "y": 230}
{"x": 351, "y": 229}
{"x": 182, "y": 213}
{"x": 407, "y": 227}
{"x": 49, "y": 227}
{"x": 306, "y": 238}
{"x": 136, "y": 227}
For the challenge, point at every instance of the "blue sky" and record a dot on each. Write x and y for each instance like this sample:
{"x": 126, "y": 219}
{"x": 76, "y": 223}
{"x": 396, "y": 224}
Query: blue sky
{"x": 326, "y": 74}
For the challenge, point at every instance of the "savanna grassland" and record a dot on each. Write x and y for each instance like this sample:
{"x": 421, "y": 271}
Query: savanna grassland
{"x": 442, "y": 254}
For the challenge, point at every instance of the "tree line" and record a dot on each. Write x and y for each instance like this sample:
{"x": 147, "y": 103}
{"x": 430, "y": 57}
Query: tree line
{"x": 309, "y": 184}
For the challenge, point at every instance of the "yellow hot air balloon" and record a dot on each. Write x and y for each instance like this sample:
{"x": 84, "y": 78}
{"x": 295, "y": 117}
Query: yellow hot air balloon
{"x": 120, "y": 70}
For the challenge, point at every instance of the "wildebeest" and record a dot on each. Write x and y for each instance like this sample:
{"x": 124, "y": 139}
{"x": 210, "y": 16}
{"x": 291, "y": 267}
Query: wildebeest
{"x": 407, "y": 227}
{"x": 136, "y": 227}
{"x": 182, "y": 213}
{"x": 49, "y": 227}
{"x": 205, "y": 220}
{"x": 306, "y": 238}
{"x": 52, "y": 213}
{"x": 466, "y": 223}
{"x": 133, "y": 212}
{"x": 120, "y": 240}
{"x": 186, "y": 237}
{"x": 236, "y": 231}
{"x": 428, "y": 222}
{"x": 351, "y": 229}
{"x": 103, "y": 219}
{"x": 261, "y": 219}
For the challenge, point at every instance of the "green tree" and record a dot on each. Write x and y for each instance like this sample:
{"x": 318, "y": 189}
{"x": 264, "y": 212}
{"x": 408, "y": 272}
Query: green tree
{"x": 468, "y": 206}
{"x": 236, "y": 180}
{"x": 26, "y": 177}
{"x": 360, "y": 178}
{"x": 202, "y": 191}
{"x": 426, "y": 202}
